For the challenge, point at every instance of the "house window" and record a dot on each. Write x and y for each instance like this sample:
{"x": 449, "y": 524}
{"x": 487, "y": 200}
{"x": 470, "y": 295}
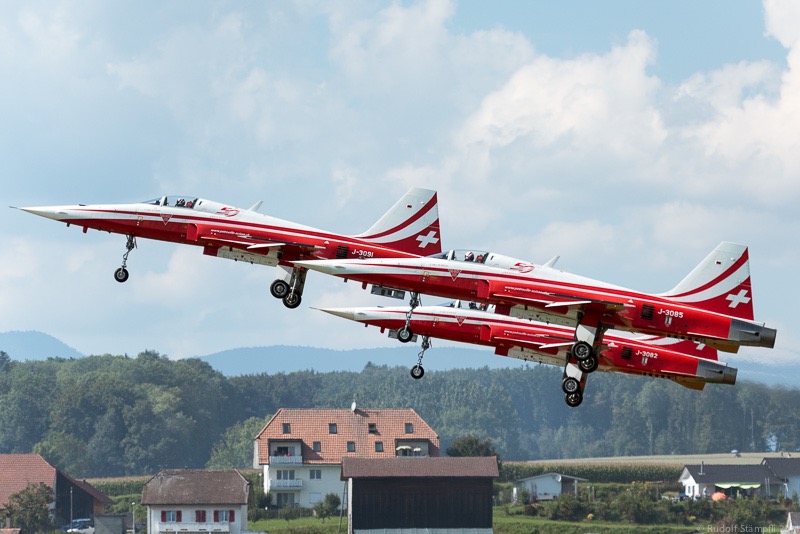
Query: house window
{"x": 409, "y": 428}
{"x": 351, "y": 446}
{"x": 224, "y": 516}
{"x": 331, "y": 428}
{"x": 315, "y": 474}
{"x": 285, "y": 474}
{"x": 170, "y": 516}
{"x": 317, "y": 446}
{"x": 285, "y": 499}
{"x": 199, "y": 516}
{"x": 378, "y": 446}
{"x": 287, "y": 428}
{"x": 373, "y": 428}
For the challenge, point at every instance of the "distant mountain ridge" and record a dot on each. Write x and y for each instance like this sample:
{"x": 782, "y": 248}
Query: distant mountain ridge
{"x": 32, "y": 345}
{"x": 286, "y": 359}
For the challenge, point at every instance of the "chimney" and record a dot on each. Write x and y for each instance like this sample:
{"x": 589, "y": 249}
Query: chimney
{"x": 702, "y": 466}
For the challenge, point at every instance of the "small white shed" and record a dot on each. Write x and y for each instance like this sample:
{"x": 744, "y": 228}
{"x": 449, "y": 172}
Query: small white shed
{"x": 548, "y": 486}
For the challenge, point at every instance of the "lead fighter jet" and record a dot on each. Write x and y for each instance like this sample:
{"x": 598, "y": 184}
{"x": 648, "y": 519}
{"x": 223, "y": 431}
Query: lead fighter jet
{"x": 409, "y": 229}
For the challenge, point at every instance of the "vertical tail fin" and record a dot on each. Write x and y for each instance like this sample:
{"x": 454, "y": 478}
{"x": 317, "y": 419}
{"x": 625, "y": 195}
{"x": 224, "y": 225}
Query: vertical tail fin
{"x": 721, "y": 283}
{"x": 411, "y": 225}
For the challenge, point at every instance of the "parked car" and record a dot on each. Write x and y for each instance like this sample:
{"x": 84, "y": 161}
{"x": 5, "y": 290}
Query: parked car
{"x": 81, "y": 526}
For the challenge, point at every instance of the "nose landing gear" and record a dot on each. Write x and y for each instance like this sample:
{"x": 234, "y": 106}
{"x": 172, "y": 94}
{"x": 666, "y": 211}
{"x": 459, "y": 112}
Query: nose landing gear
{"x": 121, "y": 274}
{"x": 418, "y": 371}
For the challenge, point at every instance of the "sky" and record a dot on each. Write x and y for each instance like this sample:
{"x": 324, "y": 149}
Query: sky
{"x": 627, "y": 137}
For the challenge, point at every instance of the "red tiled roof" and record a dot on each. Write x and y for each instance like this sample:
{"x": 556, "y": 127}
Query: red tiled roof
{"x": 309, "y": 426}
{"x": 17, "y": 471}
{"x": 448, "y": 467}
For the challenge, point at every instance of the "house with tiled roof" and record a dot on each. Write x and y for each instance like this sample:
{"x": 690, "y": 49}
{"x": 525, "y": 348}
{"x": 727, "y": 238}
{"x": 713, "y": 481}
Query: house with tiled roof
{"x": 432, "y": 495}
{"x": 301, "y": 450}
{"x": 789, "y": 470}
{"x": 73, "y": 498}
{"x": 702, "y": 481}
{"x": 197, "y": 501}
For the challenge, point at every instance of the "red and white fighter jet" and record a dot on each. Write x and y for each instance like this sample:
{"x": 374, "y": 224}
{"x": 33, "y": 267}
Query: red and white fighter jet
{"x": 712, "y": 305}
{"x": 690, "y": 364}
{"x": 409, "y": 229}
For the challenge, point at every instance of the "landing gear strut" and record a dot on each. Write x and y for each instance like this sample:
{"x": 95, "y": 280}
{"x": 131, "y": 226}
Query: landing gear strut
{"x": 289, "y": 288}
{"x": 418, "y": 371}
{"x": 121, "y": 274}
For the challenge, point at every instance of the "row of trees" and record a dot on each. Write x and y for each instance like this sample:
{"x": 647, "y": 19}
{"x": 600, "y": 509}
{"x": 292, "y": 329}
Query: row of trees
{"x": 118, "y": 415}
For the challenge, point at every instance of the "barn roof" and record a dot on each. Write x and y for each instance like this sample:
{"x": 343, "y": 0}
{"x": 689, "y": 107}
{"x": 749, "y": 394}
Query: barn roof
{"x": 413, "y": 467}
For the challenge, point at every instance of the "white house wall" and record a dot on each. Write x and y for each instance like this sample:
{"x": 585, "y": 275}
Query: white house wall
{"x": 188, "y": 525}
{"x": 311, "y": 490}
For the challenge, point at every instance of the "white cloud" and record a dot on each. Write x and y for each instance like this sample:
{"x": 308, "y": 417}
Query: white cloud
{"x": 589, "y": 103}
{"x": 781, "y": 17}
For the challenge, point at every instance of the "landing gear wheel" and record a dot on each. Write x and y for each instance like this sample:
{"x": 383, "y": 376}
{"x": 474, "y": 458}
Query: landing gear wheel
{"x": 292, "y": 300}
{"x": 417, "y": 372}
{"x": 574, "y": 399}
{"x": 582, "y": 350}
{"x": 570, "y": 385}
{"x": 404, "y": 335}
{"x": 279, "y": 289}
{"x": 589, "y": 365}
{"x": 121, "y": 274}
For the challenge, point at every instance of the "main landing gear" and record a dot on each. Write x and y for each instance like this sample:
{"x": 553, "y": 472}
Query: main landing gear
{"x": 289, "y": 287}
{"x": 121, "y": 274}
{"x": 582, "y": 360}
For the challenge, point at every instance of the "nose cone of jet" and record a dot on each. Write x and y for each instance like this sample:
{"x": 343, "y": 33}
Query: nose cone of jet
{"x": 57, "y": 213}
{"x": 348, "y": 313}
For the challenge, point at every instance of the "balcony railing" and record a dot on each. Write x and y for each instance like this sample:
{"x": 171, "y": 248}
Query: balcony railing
{"x": 290, "y": 483}
{"x": 194, "y": 527}
{"x": 285, "y": 460}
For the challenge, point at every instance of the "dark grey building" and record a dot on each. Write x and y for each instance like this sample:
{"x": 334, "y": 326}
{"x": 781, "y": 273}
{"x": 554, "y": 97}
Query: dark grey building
{"x": 435, "y": 494}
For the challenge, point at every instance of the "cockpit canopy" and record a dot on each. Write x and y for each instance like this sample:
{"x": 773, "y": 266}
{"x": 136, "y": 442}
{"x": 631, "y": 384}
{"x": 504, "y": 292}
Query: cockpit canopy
{"x": 463, "y": 255}
{"x": 468, "y": 305}
{"x": 195, "y": 203}
{"x": 487, "y": 258}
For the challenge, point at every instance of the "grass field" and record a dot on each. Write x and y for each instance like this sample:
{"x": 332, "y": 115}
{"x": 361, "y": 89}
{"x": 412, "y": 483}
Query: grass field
{"x": 503, "y": 524}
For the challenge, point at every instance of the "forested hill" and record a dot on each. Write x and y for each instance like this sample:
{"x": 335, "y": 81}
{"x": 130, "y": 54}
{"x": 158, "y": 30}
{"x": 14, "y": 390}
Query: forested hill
{"x": 114, "y": 415}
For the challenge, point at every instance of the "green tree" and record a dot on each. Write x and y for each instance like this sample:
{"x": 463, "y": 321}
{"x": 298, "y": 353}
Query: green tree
{"x": 328, "y": 506}
{"x": 235, "y": 449}
{"x": 29, "y": 508}
{"x": 471, "y": 445}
